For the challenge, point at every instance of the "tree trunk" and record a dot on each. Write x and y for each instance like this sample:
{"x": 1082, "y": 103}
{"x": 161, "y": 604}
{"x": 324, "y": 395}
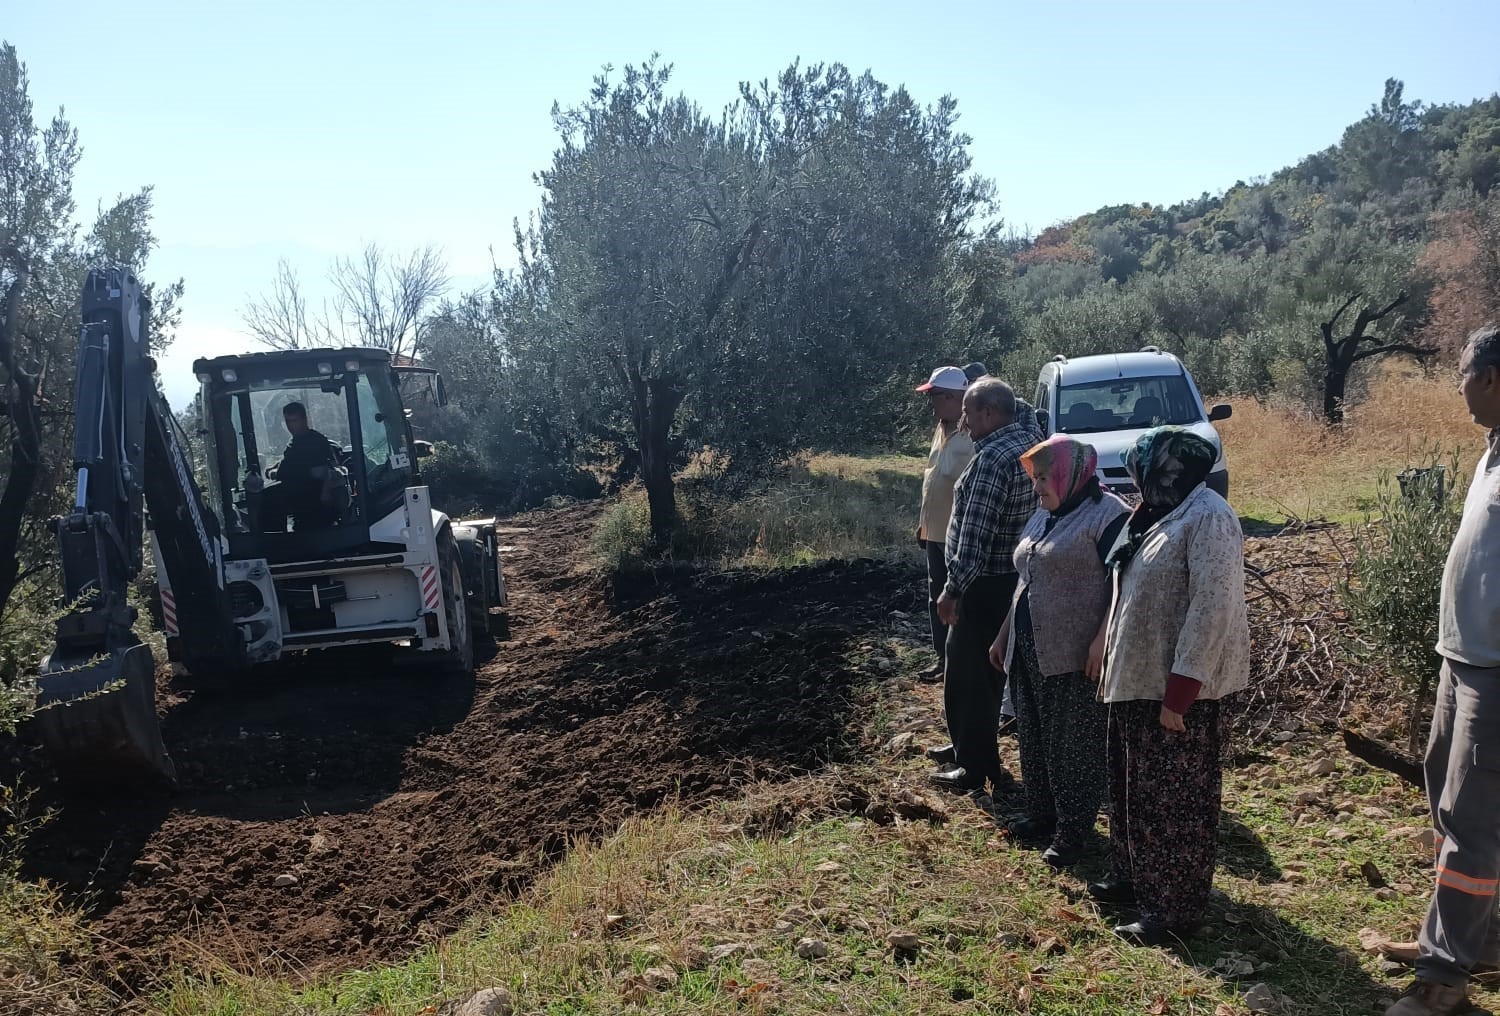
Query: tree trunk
{"x": 1335, "y": 384}
{"x": 1383, "y": 756}
{"x": 25, "y": 444}
{"x": 655, "y": 407}
{"x": 1414, "y": 717}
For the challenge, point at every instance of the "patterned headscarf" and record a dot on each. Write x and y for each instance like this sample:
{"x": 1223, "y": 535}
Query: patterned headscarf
{"x": 1071, "y": 467}
{"x": 1167, "y": 463}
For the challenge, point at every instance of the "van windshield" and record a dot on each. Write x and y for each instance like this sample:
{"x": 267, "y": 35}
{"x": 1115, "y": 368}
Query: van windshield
{"x": 1126, "y": 403}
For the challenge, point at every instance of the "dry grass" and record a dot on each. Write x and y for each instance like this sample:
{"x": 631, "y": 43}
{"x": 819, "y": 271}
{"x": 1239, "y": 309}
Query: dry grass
{"x": 1284, "y": 462}
{"x": 822, "y": 506}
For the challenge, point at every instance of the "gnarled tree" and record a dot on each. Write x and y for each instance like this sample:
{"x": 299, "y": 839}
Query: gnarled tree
{"x": 693, "y": 279}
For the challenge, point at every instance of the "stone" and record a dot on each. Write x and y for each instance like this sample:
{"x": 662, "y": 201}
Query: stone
{"x": 1306, "y": 798}
{"x": 908, "y": 941}
{"x": 829, "y": 868}
{"x": 659, "y": 978}
{"x": 1260, "y": 998}
{"x": 1387, "y": 895}
{"x": 1323, "y": 767}
{"x": 1283, "y": 736}
{"x": 727, "y": 950}
{"x": 812, "y": 948}
{"x": 904, "y": 743}
{"x": 1372, "y": 874}
{"x": 1234, "y": 965}
{"x": 489, "y": 1002}
{"x": 952, "y": 942}
{"x": 1339, "y": 834}
{"x": 284, "y": 881}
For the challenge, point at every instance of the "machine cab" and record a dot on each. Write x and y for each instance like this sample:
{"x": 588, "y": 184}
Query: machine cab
{"x": 306, "y": 449}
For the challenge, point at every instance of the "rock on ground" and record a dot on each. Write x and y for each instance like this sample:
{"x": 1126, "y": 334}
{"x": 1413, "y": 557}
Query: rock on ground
{"x": 489, "y": 1002}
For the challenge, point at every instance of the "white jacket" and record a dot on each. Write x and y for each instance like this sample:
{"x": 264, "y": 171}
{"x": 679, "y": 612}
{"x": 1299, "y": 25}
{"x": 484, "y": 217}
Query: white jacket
{"x": 1179, "y": 606}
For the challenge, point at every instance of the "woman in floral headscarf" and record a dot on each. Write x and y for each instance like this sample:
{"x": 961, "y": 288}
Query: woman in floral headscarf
{"x": 1052, "y": 645}
{"x": 1178, "y": 642}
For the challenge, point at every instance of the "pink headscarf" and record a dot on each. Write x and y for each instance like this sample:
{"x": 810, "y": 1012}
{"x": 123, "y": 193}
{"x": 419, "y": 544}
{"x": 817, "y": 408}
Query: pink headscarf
{"x": 1070, "y": 465}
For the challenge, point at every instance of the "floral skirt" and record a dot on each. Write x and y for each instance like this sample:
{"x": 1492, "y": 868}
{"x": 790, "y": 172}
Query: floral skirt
{"x": 1061, "y": 728}
{"x": 1165, "y": 791}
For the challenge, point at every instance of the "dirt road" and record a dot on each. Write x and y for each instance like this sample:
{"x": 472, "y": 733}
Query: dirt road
{"x": 342, "y": 813}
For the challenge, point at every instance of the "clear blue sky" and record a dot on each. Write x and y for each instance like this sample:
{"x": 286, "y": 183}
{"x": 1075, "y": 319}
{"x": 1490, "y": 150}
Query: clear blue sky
{"x": 306, "y": 129}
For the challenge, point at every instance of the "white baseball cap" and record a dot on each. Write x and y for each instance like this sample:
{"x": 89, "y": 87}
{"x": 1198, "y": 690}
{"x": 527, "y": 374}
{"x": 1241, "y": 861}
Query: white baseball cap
{"x": 951, "y": 379}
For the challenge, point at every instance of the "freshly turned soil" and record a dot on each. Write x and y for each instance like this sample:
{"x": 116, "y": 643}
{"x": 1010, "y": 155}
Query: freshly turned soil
{"x": 400, "y": 803}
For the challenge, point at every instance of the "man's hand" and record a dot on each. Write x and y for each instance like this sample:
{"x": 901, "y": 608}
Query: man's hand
{"x": 1171, "y": 720}
{"x": 947, "y": 607}
{"x": 1094, "y": 668}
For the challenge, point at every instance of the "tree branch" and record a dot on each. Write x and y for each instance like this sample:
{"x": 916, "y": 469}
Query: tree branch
{"x": 1398, "y": 301}
{"x": 1333, "y": 322}
{"x": 1420, "y": 352}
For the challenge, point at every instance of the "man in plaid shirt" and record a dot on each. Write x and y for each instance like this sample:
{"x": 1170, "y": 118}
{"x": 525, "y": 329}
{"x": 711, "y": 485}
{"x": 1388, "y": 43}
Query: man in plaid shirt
{"x": 991, "y": 503}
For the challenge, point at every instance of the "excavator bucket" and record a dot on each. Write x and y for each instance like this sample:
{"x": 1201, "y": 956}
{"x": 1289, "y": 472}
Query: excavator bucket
{"x": 97, "y": 720}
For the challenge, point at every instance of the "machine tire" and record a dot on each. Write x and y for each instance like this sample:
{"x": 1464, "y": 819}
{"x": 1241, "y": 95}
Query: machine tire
{"x": 456, "y": 611}
{"x": 471, "y": 556}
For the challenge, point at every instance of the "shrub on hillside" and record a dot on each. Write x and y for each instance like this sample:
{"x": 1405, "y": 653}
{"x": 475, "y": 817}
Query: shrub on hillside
{"x": 1395, "y": 575}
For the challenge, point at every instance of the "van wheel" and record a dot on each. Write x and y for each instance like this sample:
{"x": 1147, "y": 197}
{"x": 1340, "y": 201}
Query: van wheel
{"x": 459, "y": 659}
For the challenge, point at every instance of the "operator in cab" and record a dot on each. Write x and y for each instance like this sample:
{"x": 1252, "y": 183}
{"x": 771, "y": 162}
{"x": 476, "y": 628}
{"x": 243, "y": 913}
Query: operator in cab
{"x": 306, "y": 478}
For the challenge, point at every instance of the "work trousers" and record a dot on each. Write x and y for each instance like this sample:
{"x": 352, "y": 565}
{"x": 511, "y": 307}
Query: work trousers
{"x": 937, "y": 578}
{"x": 1062, "y": 726}
{"x": 1165, "y": 791}
{"x": 972, "y": 688}
{"x": 1463, "y": 788}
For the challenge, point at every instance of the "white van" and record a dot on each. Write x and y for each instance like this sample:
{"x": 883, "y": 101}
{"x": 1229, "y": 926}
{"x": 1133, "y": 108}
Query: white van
{"x": 1108, "y": 401}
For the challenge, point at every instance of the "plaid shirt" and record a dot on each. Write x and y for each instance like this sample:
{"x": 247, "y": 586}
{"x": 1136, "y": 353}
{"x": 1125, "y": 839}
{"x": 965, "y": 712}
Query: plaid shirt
{"x": 991, "y": 504}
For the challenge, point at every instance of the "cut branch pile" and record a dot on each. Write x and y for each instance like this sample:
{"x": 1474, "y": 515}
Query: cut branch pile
{"x": 1302, "y": 668}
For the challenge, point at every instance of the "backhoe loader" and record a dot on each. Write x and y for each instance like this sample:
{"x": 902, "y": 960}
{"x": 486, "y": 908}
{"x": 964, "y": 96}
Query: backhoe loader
{"x": 291, "y": 544}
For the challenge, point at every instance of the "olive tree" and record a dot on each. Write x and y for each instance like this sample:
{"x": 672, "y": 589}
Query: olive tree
{"x": 746, "y": 280}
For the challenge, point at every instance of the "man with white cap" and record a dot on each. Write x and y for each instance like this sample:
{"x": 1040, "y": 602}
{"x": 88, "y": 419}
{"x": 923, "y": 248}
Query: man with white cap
{"x": 950, "y": 453}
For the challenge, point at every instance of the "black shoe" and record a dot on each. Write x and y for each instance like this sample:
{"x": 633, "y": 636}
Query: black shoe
{"x": 1031, "y": 830}
{"x": 957, "y": 779}
{"x": 932, "y": 675}
{"x": 943, "y": 754}
{"x": 1113, "y": 890}
{"x": 1063, "y": 856}
{"x": 1149, "y": 932}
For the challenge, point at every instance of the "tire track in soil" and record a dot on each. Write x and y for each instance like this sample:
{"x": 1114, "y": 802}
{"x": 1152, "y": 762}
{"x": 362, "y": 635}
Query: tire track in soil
{"x": 403, "y": 804}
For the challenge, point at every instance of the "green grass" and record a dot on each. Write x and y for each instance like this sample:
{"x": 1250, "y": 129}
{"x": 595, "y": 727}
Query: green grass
{"x": 701, "y": 912}
{"x": 821, "y": 506}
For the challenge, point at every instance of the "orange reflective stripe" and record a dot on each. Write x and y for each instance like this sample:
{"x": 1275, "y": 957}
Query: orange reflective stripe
{"x": 1465, "y": 883}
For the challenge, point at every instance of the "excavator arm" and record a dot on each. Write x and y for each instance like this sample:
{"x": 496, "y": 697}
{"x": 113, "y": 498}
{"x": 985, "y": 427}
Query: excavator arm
{"x": 96, "y": 707}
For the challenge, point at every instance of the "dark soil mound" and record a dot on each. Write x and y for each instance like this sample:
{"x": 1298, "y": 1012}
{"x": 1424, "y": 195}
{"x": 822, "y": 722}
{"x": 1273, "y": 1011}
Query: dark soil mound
{"x": 343, "y": 811}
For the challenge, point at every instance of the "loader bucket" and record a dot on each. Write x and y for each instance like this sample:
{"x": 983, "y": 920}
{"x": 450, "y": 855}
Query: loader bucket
{"x": 97, "y": 719}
